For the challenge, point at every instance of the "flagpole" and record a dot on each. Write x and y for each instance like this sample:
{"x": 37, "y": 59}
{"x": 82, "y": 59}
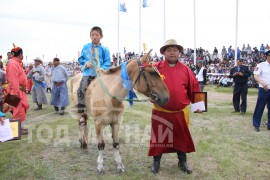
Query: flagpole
{"x": 164, "y": 22}
{"x": 236, "y": 33}
{"x": 118, "y": 34}
{"x": 140, "y": 26}
{"x": 194, "y": 11}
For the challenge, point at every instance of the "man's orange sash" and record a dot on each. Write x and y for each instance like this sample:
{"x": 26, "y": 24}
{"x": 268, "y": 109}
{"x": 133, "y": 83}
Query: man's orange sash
{"x": 185, "y": 111}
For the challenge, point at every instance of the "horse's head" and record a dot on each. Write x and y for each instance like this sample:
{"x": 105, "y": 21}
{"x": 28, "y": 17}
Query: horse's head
{"x": 147, "y": 80}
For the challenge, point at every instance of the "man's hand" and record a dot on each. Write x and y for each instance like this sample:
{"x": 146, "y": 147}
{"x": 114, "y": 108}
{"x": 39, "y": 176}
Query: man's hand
{"x": 240, "y": 74}
{"x": 198, "y": 111}
{"x": 265, "y": 86}
{"x": 88, "y": 65}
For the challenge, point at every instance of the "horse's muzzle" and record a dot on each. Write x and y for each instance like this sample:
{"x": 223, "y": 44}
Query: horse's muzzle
{"x": 156, "y": 99}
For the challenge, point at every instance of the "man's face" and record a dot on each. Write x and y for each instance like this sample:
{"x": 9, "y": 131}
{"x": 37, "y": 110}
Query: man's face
{"x": 199, "y": 64}
{"x": 56, "y": 63}
{"x": 37, "y": 63}
{"x": 9, "y": 55}
{"x": 171, "y": 54}
{"x": 239, "y": 62}
{"x": 95, "y": 37}
{"x": 20, "y": 56}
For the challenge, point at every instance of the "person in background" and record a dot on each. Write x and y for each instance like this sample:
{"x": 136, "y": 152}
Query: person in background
{"x": 215, "y": 53}
{"x": 240, "y": 74}
{"x": 48, "y": 78}
{"x": 262, "y": 76}
{"x": 59, "y": 98}
{"x": 201, "y": 75}
{"x": 37, "y": 74}
{"x": 9, "y": 56}
{"x": 2, "y": 81}
{"x": 17, "y": 85}
{"x": 262, "y": 49}
{"x": 29, "y": 81}
{"x": 1, "y": 62}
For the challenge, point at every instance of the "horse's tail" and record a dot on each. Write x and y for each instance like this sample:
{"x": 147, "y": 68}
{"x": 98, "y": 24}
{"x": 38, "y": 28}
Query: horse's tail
{"x": 74, "y": 85}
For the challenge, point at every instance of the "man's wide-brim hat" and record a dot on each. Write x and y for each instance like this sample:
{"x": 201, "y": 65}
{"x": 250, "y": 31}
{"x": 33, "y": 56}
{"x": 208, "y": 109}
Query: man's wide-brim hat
{"x": 267, "y": 53}
{"x": 170, "y": 43}
{"x": 38, "y": 59}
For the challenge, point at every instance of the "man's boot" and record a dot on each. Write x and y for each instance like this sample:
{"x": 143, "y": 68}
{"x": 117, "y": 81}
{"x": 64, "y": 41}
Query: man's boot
{"x": 39, "y": 107}
{"x": 24, "y": 131}
{"x": 62, "y": 111}
{"x": 182, "y": 164}
{"x": 156, "y": 164}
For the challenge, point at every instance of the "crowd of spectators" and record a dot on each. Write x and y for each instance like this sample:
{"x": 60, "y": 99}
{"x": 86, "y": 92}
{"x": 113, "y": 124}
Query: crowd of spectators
{"x": 217, "y": 63}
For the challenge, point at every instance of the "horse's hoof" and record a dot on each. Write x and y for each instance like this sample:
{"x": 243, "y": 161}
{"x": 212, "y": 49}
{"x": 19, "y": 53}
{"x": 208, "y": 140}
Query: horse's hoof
{"x": 83, "y": 146}
{"x": 100, "y": 172}
{"x": 120, "y": 171}
{"x": 121, "y": 168}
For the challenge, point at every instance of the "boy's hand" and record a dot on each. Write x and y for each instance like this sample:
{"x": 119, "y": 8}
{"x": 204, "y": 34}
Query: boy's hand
{"x": 99, "y": 70}
{"x": 89, "y": 65}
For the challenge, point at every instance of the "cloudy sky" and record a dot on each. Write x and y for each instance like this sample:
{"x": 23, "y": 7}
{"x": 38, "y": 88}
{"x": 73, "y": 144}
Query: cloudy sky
{"x": 46, "y": 28}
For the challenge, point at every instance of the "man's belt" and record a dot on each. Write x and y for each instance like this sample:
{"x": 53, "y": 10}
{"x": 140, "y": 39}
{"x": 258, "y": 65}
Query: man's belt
{"x": 58, "y": 83}
{"x": 185, "y": 111}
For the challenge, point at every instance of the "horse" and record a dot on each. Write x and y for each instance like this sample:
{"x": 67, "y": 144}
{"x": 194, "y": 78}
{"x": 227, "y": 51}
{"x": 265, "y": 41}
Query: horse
{"x": 104, "y": 101}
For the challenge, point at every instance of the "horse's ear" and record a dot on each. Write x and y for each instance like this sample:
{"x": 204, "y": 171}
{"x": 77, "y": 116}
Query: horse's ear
{"x": 145, "y": 57}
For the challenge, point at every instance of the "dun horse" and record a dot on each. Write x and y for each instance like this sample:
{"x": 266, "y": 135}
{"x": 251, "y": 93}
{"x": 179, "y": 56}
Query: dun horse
{"x": 104, "y": 98}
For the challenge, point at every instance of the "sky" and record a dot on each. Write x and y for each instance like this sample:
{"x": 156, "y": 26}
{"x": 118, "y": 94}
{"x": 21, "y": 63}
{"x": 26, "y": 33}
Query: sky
{"x": 60, "y": 28}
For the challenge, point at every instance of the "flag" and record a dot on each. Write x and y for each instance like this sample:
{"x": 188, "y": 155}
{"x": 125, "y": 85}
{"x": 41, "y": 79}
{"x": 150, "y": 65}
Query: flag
{"x": 144, "y": 47}
{"x": 123, "y": 6}
{"x": 145, "y": 3}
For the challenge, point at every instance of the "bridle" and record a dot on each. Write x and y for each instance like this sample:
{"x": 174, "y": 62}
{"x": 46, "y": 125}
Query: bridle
{"x": 153, "y": 96}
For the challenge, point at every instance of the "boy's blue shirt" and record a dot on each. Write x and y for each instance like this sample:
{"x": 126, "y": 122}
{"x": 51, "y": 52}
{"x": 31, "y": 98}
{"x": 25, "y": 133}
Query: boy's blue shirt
{"x": 86, "y": 54}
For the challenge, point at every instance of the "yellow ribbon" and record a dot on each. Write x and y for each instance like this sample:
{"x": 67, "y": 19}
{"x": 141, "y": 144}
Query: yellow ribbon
{"x": 185, "y": 111}
{"x": 160, "y": 75}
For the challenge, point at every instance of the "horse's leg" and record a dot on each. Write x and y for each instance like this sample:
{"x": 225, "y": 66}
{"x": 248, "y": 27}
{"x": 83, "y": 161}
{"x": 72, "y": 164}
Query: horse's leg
{"x": 83, "y": 131}
{"x": 101, "y": 146}
{"x": 116, "y": 146}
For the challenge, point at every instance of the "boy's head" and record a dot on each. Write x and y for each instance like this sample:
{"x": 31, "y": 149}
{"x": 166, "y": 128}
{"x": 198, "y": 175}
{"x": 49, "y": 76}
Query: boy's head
{"x": 96, "y": 34}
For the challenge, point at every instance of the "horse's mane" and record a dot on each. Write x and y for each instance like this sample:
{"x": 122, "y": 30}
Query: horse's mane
{"x": 114, "y": 69}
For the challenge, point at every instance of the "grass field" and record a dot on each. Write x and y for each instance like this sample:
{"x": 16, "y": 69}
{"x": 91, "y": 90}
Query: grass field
{"x": 227, "y": 147}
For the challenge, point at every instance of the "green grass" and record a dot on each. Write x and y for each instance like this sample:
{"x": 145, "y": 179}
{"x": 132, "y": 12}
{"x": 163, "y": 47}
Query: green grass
{"x": 227, "y": 147}
{"x": 251, "y": 91}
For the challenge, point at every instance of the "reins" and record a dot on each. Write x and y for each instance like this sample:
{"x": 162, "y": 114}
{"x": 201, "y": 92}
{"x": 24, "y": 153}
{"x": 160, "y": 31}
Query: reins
{"x": 117, "y": 97}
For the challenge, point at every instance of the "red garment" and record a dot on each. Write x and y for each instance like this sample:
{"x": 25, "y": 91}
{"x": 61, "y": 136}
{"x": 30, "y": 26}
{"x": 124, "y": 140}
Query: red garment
{"x": 29, "y": 82}
{"x": 16, "y": 77}
{"x": 169, "y": 130}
